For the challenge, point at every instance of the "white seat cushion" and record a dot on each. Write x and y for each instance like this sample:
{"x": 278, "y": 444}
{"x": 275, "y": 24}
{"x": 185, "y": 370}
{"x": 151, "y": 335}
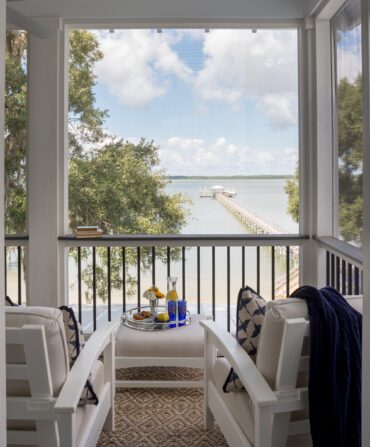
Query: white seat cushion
{"x": 52, "y": 320}
{"x": 185, "y": 341}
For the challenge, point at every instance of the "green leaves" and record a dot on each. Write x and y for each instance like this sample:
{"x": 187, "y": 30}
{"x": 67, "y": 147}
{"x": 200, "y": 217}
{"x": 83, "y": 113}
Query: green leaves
{"x": 86, "y": 119}
{"x": 292, "y": 189}
{"x": 15, "y": 133}
{"x": 121, "y": 184}
{"x": 115, "y": 184}
{"x": 350, "y": 163}
{"x": 350, "y": 153}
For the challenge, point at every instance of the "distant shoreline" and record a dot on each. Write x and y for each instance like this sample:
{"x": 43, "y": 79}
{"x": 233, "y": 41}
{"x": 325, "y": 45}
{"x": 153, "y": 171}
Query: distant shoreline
{"x": 229, "y": 177}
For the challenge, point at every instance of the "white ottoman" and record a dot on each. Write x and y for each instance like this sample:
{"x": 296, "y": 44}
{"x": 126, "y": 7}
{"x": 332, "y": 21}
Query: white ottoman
{"x": 182, "y": 346}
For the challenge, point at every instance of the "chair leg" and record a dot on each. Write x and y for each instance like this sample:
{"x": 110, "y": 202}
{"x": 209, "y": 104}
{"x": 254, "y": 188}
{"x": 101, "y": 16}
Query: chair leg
{"x": 67, "y": 430}
{"x": 209, "y": 361}
{"x": 110, "y": 376}
{"x": 48, "y": 433}
{"x": 109, "y": 422}
{"x": 280, "y": 429}
{"x": 263, "y": 421}
{"x": 209, "y": 420}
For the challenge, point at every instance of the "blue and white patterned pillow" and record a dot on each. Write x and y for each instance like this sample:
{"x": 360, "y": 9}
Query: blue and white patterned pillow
{"x": 75, "y": 343}
{"x": 250, "y": 313}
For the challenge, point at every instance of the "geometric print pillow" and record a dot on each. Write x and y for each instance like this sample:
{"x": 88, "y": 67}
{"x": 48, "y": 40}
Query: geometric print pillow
{"x": 75, "y": 343}
{"x": 250, "y": 313}
{"x": 74, "y": 334}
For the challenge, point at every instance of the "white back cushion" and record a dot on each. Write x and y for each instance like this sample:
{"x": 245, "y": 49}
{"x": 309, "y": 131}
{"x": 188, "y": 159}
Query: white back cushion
{"x": 52, "y": 320}
{"x": 272, "y": 333}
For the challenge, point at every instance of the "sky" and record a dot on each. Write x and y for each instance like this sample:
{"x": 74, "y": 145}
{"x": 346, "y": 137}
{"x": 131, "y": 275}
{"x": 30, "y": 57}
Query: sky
{"x": 223, "y": 102}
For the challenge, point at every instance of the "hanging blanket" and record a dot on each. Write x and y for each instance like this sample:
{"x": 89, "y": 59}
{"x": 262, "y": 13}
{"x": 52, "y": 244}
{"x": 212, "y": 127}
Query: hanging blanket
{"x": 335, "y": 368}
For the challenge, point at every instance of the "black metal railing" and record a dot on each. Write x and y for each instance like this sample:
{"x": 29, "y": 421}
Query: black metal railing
{"x": 145, "y": 259}
{"x": 343, "y": 275}
{"x": 344, "y": 263}
{"x": 15, "y": 267}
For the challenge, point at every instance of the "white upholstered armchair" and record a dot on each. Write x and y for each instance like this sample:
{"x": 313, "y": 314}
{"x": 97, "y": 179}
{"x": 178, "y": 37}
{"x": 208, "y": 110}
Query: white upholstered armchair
{"x": 273, "y": 411}
{"x": 43, "y": 392}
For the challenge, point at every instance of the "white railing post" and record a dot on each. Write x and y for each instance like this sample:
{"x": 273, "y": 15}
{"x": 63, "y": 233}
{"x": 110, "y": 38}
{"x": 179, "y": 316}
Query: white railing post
{"x": 47, "y": 165}
{"x": 2, "y": 322}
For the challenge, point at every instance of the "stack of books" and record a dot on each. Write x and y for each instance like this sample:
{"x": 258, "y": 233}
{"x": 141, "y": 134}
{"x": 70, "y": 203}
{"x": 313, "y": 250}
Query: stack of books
{"x": 89, "y": 231}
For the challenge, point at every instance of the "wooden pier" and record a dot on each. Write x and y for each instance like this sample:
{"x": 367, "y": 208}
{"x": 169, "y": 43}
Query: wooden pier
{"x": 204, "y": 193}
{"x": 252, "y": 220}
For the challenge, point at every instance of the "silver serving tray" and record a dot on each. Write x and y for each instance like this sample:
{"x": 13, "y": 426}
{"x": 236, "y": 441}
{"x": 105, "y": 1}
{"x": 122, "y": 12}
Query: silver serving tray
{"x": 149, "y": 324}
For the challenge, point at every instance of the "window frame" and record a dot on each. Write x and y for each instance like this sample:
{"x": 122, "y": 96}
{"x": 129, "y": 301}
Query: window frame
{"x": 303, "y": 111}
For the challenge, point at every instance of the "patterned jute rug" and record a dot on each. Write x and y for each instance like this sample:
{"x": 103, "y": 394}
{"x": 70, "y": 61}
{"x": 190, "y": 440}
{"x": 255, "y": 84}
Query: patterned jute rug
{"x": 154, "y": 417}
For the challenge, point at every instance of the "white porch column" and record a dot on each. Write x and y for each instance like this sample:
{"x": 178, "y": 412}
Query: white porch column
{"x": 365, "y": 6}
{"x": 47, "y": 164}
{"x": 324, "y": 151}
{"x": 2, "y": 323}
{"x": 307, "y": 216}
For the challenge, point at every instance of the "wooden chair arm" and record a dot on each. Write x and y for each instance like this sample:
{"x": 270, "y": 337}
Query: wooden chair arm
{"x": 69, "y": 396}
{"x": 253, "y": 381}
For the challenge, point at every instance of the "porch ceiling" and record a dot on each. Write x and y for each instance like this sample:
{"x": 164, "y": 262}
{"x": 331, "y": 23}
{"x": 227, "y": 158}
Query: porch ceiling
{"x": 160, "y": 10}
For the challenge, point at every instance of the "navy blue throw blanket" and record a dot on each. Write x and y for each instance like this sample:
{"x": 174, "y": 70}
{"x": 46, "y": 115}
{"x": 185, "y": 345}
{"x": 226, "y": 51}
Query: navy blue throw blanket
{"x": 335, "y": 368}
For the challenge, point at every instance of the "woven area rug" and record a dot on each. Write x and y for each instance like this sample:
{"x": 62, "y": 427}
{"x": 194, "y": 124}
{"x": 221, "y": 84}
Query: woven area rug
{"x": 154, "y": 417}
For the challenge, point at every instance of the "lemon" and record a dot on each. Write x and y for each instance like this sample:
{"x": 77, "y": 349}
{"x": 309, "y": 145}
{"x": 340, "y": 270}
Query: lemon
{"x": 157, "y": 292}
{"x": 163, "y": 316}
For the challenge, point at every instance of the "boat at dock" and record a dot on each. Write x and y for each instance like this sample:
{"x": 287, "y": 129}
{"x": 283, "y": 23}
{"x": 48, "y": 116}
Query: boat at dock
{"x": 230, "y": 193}
{"x": 218, "y": 189}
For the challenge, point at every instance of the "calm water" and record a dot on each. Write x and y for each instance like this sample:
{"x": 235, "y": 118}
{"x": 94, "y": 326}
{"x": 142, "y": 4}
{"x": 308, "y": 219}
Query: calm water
{"x": 265, "y": 197}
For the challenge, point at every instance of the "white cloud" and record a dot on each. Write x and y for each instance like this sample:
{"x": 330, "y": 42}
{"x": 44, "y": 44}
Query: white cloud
{"x": 349, "y": 65}
{"x": 279, "y": 109}
{"x": 261, "y": 66}
{"x": 193, "y": 156}
{"x": 137, "y": 65}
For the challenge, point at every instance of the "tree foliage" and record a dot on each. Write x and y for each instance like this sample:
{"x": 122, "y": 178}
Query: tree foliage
{"x": 350, "y": 163}
{"x": 15, "y": 132}
{"x": 292, "y": 189}
{"x": 112, "y": 182}
{"x": 85, "y": 119}
{"x": 350, "y": 152}
{"x": 121, "y": 188}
